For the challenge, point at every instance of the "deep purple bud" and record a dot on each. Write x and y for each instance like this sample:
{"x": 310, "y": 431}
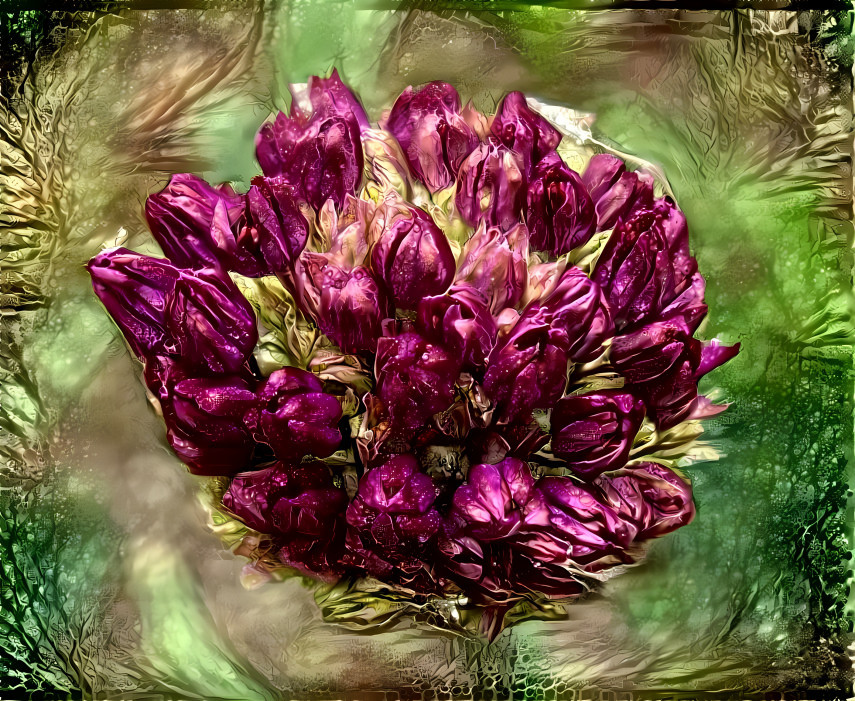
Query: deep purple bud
{"x": 273, "y": 228}
{"x": 434, "y": 136}
{"x": 392, "y": 518}
{"x": 523, "y": 130}
{"x": 459, "y": 321}
{"x": 528, "y": 367}
{"x": 330, "y": 97}
{"x": 136, "y": 290}
{"x": 299, "y": 506}
{"x": 560, "y": 214}
{"x": 318, "y": 155}
{"x": 413, "y": 259}
{"x": 491, "y": 187}
{"x": 652, "y": 496}
{"x": 585, "y": 529}
{"x": 497, "y": 501}
{"x": 199, "y": 316}
{"x": 415, "y": 378}
{"x": 350, "y": 303}
{"x": 204, "y": 422}
{"x": 211, "y": 321}
{"x": 194, "y": 224}
{"x": 594, "y": 432}
{"x": 615, "y": 191}
{"x": 496, "y": 264}
{"x": 663, "y": 363}
{"x": 295, "y": 416}
{"x": 578, "y": 311}
{"x": 645, "y": 264}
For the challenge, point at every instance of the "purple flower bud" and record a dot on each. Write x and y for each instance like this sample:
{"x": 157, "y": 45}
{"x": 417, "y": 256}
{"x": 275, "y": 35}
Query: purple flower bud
{"x": 136, "y": 291}
{"x": 199, "y": 316}
{"x": 645, "y": 264}
{"x": 295, "y": 417}
{"x": 204, "y": 422}
{"x": 584, "y": 530}
{"x": 415, "y": 378}
{"x": 491, "y": 187}
{"x": 330, "y": 97}
{"x": 412, "y": 257}
{"x": 497, "y": 501}
{"x": 194, "y": 223}
{"x": 392, "y": 518}
{"x": 524, "y": 131}
{"x": 350, "y": 303}
{"x": 433, "y": 135}
{"x": 300, "y": 507}
{"x": 663, "y": 364}
{"x": 496, "y": 264}
{"x": 577, "y": 310}
{"x": 528, "y": 366}
{"x": 615, "y": 191}
{"x": 651, "y": 496}
{"x": 560, "y": 212}
{"x": 212, "y": 323}
{"x": 273, "y": 229}
{"x": 594, "y": 432}
{"x": 527, "y": 369}
{"x": 461, "y": 322}
{"x": 318, "y": 155}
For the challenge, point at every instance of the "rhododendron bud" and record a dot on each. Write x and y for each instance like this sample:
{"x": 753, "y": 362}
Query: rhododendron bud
{"x": 459, "y": 321}
{"x": 523, "y": 130}
{"x": 299, "y": 506}
{"x": 413, "y": 259}
{"x": 491, "y": 187}
{"x": 584, "y": 529}
{"x": 560, "y": 213}
{"x": 136, "y": 290}
{"x": 663, "y": 363}
{"x": 211, "y": 321}
{"x": 615, "y": 191}
{"x": 194, "y": 224}
{"x": 319, "y": 154}
{"x": 495, "y": 263}
{"x": 162, "y": 310}
{"x": 273, "y": 225}
{"x": 415, "y": 378}
{"x": 204, "y": 421}
{"x": 577, "y": 310}
{"x": 295, "y": 416}
{"x": 433, "y": 135}
{"x": 656, "y": 499}
{"x": 528, "y": 367}
{"x": 497, "y": 501}
{"x": 350, "y": 304}
{"x": 645, "y": 264}
{"x": 594, "y": 432}
{"x": 392, "y": 517}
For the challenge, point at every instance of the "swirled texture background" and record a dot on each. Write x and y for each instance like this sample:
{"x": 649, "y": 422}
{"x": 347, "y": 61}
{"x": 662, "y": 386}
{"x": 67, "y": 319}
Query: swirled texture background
{"x": 112, "y": 585}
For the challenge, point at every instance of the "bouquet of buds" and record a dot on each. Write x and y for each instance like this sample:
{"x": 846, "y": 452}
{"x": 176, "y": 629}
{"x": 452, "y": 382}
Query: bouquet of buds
{"x": 426, "y": 362}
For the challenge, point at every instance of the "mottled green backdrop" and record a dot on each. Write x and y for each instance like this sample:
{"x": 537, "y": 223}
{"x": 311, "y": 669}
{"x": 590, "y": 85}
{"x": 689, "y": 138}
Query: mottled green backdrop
{"x": 111, "y": 584}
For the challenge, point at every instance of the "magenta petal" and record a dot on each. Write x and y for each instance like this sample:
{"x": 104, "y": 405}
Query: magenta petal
{"x": 595, "y": 432}
{"x": 413, "y": 258}
{"x": 523, "y": 130}
{"x": 560, "y": 213}
{"x": 433, "y": 135}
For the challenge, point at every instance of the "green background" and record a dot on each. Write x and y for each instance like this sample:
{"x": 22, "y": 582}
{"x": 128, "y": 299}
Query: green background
{"x": 111, "y": 584}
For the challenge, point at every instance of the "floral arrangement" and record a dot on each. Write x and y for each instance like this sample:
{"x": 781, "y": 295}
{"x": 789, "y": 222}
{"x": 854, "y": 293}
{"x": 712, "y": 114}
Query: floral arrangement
{"x": 427, "y": 362}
